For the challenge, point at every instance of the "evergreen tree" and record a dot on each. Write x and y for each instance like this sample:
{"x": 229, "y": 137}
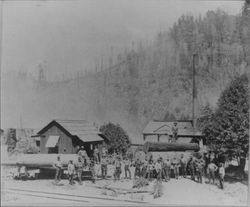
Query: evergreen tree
{"x": 119, "y": 140}
{"x": 228, "y": 128}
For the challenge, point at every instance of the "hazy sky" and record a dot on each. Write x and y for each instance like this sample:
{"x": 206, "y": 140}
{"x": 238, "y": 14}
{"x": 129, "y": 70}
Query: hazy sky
{"x": 70, "y": 35}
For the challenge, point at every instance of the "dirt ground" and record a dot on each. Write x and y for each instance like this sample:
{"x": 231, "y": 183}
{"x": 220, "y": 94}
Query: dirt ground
{"x": 175, "y": 192}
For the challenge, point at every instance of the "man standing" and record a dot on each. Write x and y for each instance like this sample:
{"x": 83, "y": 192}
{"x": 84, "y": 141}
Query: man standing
{"x": 83, "y": 154}
{"x": 175, "y": 132}
{"x": 150, "y": 169}
{"x": 191, "y": 167}
{"x": 221, "y": 175}
{"x": 58, "y": 166}
{"x": 71, "y": 170}
{"x": 176, "y": 165}
{"x": 104, "y": 166}
{"x": 158, "y": 184}
{"x": 92, "y": 169}
{"x": 167, "y": 169}
{"x": 79, "y": 169}
{"x": 183, "y": 165}
{"x": 127, "y": 164}
{"x": 137, "y": 168}
{"x": 96, "y": 155}
{"x": 118, "y": 169}
{"x": 200, "y": 163}
{"x": 211, "y": 169}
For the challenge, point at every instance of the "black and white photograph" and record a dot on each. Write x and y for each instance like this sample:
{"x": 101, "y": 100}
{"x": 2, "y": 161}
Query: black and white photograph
{"x": 124, "y": 102}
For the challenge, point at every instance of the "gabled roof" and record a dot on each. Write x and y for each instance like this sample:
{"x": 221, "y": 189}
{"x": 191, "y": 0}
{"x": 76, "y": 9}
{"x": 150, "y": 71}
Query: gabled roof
{"x": 77, "y": 128}
{"x": 185, "y": 128}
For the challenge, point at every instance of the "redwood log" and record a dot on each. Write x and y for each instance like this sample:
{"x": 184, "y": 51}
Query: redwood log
{"x": 165, "y": 147}
{"x": 44, "y": 160}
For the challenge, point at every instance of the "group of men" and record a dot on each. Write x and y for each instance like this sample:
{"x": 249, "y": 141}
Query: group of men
{"x": 75, "y": 168}
{"x": 162, "y": 169}
{"x": 196, "y": 167}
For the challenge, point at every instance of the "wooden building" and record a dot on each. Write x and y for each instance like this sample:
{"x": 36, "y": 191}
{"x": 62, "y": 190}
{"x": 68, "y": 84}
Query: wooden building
{"x": 158, "y": 131}
{"x": 66, "y": 136}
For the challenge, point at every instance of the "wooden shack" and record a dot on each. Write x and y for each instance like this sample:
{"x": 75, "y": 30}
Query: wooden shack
{"x": 161, "y": 132}
{"x": 66, "y": 136}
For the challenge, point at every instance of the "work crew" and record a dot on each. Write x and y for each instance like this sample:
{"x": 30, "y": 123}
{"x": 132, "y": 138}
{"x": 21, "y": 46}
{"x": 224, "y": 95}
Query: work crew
{"x": 71, "y": 171}
{"x": 79, "y": 169}
{"x": 58, "y": 166}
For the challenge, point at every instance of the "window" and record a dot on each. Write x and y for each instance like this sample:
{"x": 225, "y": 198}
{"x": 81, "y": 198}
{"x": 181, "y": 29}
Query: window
{"x": 53, "y": 150}
{"x": 38, "y": 143}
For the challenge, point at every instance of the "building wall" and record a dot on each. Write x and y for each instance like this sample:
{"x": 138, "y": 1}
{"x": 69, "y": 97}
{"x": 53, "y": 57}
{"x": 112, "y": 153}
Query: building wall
{"x": 154, "y": 138}
{"x": 64, "y": 142}
{"x": 151, "y": 138}
{"x": 164, "y": 138}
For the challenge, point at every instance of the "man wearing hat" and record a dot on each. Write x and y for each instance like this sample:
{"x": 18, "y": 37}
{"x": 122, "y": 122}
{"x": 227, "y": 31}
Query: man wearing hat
{"x": 137, "y": 168}
{"x": 79, "y": 169}
{"x": 127, "y": 164}
{"x": 176, "y": 165}
{"x": 104, "y": 166}
{"x": 167, "y": 169}
{"x": 58, "y": 166}
{"x": 199, "y": 164}
{"x": 83, "y": 154}
{"x": 158, "y": 184}
{"x": 118, "y": 169}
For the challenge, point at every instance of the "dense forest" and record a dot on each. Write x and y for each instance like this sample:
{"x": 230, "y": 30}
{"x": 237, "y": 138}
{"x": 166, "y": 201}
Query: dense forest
{"x": 150, "y": 80}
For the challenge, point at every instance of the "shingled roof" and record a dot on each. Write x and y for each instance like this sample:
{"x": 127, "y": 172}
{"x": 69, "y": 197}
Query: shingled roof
{"x": 80, "y": 128}
{"x": 185, "y": 128}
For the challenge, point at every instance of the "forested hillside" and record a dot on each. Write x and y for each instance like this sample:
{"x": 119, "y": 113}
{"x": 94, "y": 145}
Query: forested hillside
{"x": 151, "y": 80}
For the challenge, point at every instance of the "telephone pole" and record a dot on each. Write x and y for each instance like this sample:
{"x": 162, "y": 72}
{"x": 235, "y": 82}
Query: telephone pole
{"x": 194, "y": 94}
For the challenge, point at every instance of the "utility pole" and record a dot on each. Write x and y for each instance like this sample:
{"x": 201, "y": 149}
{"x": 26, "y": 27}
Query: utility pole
{"x": 194, "y": 95}
{"x": 1, "y": 34}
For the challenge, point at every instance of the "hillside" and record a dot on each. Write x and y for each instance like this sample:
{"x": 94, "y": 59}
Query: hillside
{"x": 152, "y": 80}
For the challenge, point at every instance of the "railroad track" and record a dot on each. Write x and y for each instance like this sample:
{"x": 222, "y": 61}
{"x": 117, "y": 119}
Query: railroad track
{"x": 70, "y": 197}
{"x": 46, "y": 196}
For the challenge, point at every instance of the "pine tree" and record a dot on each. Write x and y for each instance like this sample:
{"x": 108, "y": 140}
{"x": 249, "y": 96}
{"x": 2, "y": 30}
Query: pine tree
{"x": 119, "y": 140}
{"x": 228, "y": 128}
